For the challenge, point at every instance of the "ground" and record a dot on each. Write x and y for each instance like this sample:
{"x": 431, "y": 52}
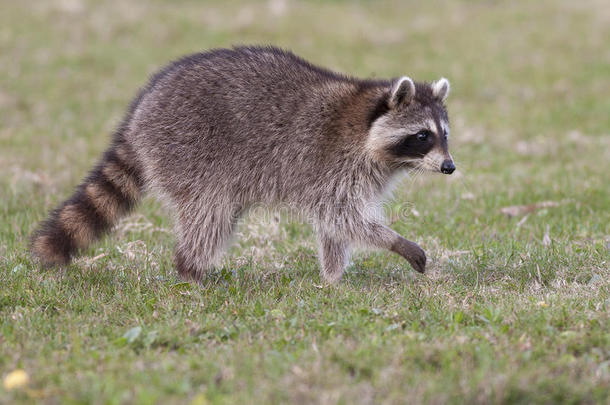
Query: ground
{"x": 515, "y": 304}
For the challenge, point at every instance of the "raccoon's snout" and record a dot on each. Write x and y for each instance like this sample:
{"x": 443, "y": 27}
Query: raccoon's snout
{"x": 447, "y": 167}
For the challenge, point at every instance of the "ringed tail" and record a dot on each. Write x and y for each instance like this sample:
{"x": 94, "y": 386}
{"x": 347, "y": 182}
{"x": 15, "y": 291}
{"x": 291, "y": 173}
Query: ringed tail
{"x": 110, "y": 190}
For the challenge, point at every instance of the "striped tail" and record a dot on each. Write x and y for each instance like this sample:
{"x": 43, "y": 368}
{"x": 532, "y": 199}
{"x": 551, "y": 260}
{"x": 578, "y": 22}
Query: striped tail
{"x": 110, "y": 191}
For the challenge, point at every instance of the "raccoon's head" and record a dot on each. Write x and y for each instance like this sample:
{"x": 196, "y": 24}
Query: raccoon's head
{"x": 410, "y": 127}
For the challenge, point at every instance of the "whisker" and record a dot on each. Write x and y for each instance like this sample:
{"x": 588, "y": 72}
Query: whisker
{"x": 464, "y": 179}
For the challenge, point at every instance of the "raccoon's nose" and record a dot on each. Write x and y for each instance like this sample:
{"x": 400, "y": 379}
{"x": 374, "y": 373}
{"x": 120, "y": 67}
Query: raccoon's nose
{"x": 448, "y": 167}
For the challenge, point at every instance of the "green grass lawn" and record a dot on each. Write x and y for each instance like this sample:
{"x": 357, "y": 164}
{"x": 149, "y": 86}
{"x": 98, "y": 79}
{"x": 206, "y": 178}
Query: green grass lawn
{"x": 511, "y": 310}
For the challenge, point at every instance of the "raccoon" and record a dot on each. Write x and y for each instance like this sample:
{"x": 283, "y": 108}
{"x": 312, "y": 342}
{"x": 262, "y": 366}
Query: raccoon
{"x": 215, "y": 133}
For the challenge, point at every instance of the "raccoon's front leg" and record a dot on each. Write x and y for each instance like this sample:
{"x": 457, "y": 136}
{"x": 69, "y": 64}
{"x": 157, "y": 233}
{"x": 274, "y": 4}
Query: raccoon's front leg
{"x": 334, "y": 256}
{"x": 381, "y": 236}
{"x": 411, "y": 251}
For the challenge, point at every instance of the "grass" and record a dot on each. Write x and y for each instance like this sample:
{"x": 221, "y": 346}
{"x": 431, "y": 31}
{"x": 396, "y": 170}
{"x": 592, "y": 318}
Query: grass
{"x": 511, "y": 310}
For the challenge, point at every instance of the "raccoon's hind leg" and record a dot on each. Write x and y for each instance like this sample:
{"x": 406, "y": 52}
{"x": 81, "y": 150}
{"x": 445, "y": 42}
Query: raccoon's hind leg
{"x": 334, "y": 256}
{"x": 202, "y": 238}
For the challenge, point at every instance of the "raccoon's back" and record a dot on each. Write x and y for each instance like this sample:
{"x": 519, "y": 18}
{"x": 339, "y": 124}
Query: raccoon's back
{"x": 236, "y": 108}
{"x": 262, "y": 88}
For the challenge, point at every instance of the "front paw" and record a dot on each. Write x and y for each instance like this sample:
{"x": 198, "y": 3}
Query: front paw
{"x": 413, "y": 253}
{"x": 417, "y": 259}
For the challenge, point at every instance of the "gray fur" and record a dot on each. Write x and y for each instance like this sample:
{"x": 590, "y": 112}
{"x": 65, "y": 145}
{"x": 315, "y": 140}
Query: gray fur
{"x": 215, "y": 133}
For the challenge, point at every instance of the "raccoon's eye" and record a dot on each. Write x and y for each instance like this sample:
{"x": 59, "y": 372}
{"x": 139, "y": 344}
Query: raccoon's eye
{"x": 423, "y": 135}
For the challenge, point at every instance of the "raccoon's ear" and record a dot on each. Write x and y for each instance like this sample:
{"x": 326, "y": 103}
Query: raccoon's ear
{"x": 403, "y": 92}
{"x": 440, "y": 89}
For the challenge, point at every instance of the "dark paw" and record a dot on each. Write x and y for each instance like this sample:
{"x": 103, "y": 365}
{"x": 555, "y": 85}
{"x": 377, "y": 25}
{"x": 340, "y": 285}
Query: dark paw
{"x": 417, "y": 259}
{"x": 185, "y": 271}
{"x": 413, "y": 253}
